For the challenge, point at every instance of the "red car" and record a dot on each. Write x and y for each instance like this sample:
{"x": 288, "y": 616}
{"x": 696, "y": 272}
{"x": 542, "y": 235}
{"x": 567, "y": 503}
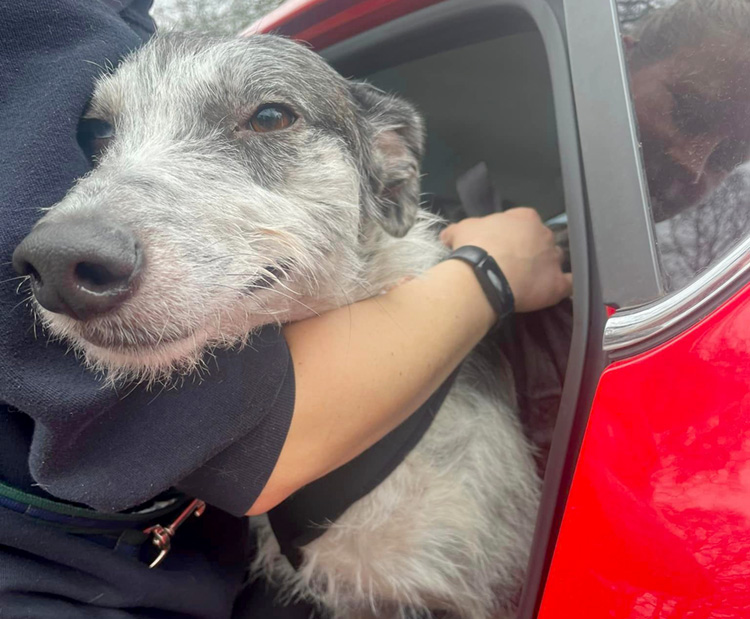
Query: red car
{"x": 630, "y": 120}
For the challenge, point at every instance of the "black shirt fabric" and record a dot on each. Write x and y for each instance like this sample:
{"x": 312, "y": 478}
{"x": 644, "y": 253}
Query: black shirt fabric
{"x": 297, "y": 521}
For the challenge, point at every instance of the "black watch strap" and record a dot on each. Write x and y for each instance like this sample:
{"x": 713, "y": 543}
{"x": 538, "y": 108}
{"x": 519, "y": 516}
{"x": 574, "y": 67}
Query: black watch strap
{"x": 491, "y": 278}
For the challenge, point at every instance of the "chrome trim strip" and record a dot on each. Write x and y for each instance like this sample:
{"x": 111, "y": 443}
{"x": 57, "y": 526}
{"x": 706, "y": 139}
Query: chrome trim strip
{"x": 634, "y": 326}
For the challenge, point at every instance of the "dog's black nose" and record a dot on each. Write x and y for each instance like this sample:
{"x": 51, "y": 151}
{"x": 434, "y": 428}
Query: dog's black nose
{"x": 80, "y": 268}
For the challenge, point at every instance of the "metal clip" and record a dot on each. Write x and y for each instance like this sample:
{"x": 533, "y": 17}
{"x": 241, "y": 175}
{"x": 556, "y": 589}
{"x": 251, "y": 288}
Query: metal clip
{"x": 162, "y": 536}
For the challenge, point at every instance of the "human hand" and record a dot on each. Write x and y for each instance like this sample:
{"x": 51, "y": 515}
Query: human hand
{"x": 524, "y": 249}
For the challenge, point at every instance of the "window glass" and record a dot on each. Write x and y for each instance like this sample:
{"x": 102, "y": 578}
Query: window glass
{"x": 689, "y": 67}
{"x": 490, "y": 120}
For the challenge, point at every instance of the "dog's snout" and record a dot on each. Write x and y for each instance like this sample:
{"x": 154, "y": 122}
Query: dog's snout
{"x": 79, "y": 268}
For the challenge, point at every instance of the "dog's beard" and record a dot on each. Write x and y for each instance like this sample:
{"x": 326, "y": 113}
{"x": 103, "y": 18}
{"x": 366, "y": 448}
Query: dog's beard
{"x": 131, "y": 352}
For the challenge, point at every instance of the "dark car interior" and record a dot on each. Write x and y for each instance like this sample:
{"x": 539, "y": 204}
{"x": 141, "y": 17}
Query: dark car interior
{"x": 492, "y": 144}
{"x": 487, "y": 102}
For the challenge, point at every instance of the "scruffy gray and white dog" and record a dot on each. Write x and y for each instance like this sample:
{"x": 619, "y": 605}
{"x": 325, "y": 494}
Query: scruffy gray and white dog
{"x": 242, "y": 182}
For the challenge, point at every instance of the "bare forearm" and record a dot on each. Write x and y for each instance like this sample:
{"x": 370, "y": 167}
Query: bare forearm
{"x": 362, "y": 370}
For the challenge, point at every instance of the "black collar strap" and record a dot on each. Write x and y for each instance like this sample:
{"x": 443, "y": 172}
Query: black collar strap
{"x": 83, "y": 518}
{"x": 125, "y": 532}
{"x": 298, "y": 520}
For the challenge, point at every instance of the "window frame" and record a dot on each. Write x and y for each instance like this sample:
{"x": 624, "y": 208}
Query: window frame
{"x": 620, "y": 207}
{"x": 624, "y": 238}
{"x": 635, "y": 331}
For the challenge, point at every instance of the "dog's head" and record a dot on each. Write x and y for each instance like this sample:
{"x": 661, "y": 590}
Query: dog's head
{"x": 233, "y": 184}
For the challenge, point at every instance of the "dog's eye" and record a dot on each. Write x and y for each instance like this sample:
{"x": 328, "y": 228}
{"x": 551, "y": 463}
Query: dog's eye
{"x": 272, "y": 117}
{"x": 94, "y": 136}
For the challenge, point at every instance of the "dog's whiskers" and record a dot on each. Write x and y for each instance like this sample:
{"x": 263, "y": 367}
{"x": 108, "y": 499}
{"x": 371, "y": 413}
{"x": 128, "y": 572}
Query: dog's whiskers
{"x": 26, "y": 301}
{"x": 12, "y": 279}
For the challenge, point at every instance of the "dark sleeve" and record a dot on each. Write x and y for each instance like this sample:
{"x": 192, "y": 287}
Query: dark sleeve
{"x": 216, "y": 436}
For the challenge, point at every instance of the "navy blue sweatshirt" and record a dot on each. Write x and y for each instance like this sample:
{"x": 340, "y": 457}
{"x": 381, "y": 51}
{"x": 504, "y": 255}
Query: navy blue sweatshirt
{"x": 61, "y": 431}
{"x": 62, "y": 434}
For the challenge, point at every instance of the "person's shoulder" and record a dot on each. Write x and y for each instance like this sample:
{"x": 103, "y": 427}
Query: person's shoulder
{"x": 136, "y": 14}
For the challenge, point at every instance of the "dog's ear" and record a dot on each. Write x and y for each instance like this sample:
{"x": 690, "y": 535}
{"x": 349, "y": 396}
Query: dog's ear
{"x": 394, "y": 135}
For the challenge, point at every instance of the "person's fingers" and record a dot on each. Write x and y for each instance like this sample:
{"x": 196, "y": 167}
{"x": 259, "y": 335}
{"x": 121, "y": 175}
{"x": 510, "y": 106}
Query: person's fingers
{"x": 524, "y": 211}
{"x": 566, "y": 285}
{"x": 446, "y": 236}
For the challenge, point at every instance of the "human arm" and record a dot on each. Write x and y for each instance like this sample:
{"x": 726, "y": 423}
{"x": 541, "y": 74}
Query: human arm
{"x": 361, "y": 370}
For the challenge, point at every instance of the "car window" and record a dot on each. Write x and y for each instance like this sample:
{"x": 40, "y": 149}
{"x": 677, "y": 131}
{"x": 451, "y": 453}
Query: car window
{"x": 490, "y": 118}
{"x": 689, "y": 70}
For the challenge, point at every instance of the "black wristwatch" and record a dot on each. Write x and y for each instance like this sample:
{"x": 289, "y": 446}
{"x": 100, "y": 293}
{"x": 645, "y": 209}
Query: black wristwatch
{"x": 491, "y": 278}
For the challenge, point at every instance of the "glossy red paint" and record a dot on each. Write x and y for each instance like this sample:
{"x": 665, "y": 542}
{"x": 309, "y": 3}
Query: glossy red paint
{"x": 657, "y": 523}
{"x": 324, "y": 22}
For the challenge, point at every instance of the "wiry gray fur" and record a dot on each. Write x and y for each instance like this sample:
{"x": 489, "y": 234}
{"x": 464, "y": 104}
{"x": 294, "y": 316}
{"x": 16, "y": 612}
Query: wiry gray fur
{"x": 327, "y": 210}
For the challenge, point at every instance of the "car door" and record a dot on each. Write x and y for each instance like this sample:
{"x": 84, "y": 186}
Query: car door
{"x": 657, "y": 521}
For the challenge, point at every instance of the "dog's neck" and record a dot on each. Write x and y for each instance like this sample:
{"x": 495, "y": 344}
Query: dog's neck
{"x": 387, "y": 260}
{"x": 380, "y": 262}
